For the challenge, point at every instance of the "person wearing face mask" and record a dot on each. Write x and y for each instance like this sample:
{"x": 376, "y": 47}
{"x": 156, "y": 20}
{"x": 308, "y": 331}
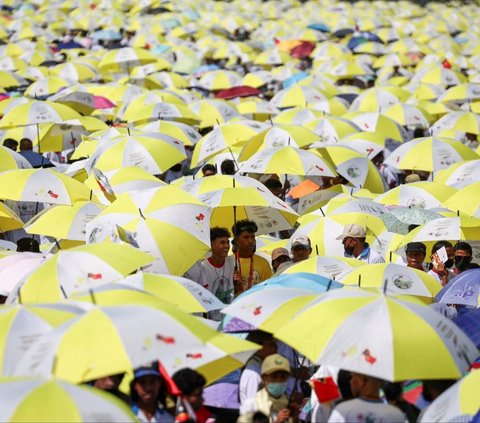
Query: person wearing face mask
{"x": 463, "y": 256}
{"x": 271, "y": 400}
{"x": 354, "y": 245}
{"x": 442, "y": 271}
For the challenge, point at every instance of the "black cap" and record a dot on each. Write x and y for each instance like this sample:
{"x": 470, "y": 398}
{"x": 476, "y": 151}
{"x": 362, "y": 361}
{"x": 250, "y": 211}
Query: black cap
{"x": 417, "y": 247}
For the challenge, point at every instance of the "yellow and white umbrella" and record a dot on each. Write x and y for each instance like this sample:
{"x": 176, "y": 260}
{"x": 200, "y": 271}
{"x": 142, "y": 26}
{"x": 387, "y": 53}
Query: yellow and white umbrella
{"x": 460, "y": 174}
{"x": 161, "y": 111}
{"x": 41, "y": 185}
{"x": 10, "y": 160}
{"x": 35, "y": 399}
{"x": 466, "y": 200}
{"x": 376, "y": 122}
{"x": 460, "y": 121}
{"x": 45, "y": 87}
{"x": 331, "y": 129}
{"x": 253, "y": 203}
{"x": 76, "y": 71}
{"x": 380, "y": 336}
{"x": 153, "y": 152}
{"x": 367, "y": 143}
{"x": 223, "y": 136}
{"x": 395, "y": 279}
{"x": 288, "y": 160}
{"x": 376, "y": 99}
{"x": 187, "y": 134}
{"x": 37, "y": 112}
{"x": 298, "y": 96}
{"x": 409, "y": 115}
{"x": 430, "y": 154}
{"x": 219, "y": 80}
{"x": 64, "y": 222}
{"x": 459, "y": 402}
{"x": 213, "y": 111}
{"x": 424, "y": 195}
{"x": 461, "y": 93}
{"x": 79, "y": 269}
{"x": 125, "y": 58}
{"x": 332, "y": 267}
{"x": 167, "y": 222}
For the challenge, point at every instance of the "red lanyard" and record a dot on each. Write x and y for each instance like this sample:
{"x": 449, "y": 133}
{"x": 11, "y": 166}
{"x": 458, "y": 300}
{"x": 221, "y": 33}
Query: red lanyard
{"x": 250, "y": 274}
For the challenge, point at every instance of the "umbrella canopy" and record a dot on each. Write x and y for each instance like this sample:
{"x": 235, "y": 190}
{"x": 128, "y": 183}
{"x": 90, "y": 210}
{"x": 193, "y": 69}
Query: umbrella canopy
{"x": 288, "y": 160}
{"x": 41, "y": 185}
{"x": 332, "y": 267}
{"x": 158, "y": 332}
{"x": 395, "y": 279}
{"x": 253, "y": 203}
{"x": 462, "y": 289}
{"x": 458, "y": 402}
{"x": 466, "y": 200}
{"x": 379, "y": 336}
{"x": 32, "y": 399}
{"x": 430, "y": 154}
{"x": 78, "y": 269}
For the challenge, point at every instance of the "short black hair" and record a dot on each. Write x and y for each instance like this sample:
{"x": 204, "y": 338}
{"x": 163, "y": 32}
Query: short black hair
{"x": 10, "y": 143}
{"x": 28, "y": 244}
{"x": 440, "y": 244}
{"x": 273, "y": 184}
{"x": 464, "y": 246}
{"x": 188, "y": 380}
{"x": 228, "y": 167}
{"x": 244, "y": 225}
{"x": 208, "y": 167}
{"x": 218, "y": 232}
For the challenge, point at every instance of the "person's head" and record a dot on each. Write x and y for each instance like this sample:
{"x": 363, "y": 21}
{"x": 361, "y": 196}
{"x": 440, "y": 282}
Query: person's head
{"x": 108, "y": 383}
{"x": 448, "y": 248}
{"x": 26, "y": 144}
{"x": 415, "y": 253}
{"x": 265, "y": 340}
{"x": 462, "y": 255}
{"x": 393, "y": 391}
{"x": 209, "y": 170}
{"x": 413, "y": 177}
{"x": 434, "y": 388}
{"x": 279, "y": 255}
{"x": 227, "y": 167}
{"x": 343, "y": 382}
{"x": 219, "y": 241}
{"x": 353, "y": 239}
{"x": 146, "y": 385}
{"x": 10, "y": 143}
{"x": 191, "y": 383}
{"x": 361, "y": 384}
{"x": 301, "y": 248}
{"x": 275, "y": 372}
{"x": 28, "y": 244}
{"x": 244, "y": 236}
{"x": 275, "y": 187}
{"x": 378, "y": 159}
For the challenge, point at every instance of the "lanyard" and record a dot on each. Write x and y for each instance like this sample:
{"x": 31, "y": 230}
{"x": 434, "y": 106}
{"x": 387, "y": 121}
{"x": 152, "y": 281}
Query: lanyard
{"x": 250, "y": 273}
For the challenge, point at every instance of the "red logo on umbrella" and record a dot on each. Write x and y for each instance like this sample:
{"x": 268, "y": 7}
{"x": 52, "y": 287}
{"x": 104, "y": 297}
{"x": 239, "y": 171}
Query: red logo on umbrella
{"x": 200, "y": 217}
{"x": 319, "y": 168}
{"x": 94, "y": 276}
{"x": 194, "y": 356}
{"x": 368, "y": 357}
{"x": 166, "y": 339}
{"x": 257, "y": 310}
{"x": 52, "y": 194}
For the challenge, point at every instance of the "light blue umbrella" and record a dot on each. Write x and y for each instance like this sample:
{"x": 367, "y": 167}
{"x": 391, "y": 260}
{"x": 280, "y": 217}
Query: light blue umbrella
{"x": 463, "y": 289}
{"x": 107, "y": 35}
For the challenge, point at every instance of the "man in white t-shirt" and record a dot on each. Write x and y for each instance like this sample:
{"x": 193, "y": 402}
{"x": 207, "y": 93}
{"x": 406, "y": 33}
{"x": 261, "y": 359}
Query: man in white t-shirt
{"x": 355, "y": 246}
{"x": 216, "y": 272}
{"x": 367, "y": 406}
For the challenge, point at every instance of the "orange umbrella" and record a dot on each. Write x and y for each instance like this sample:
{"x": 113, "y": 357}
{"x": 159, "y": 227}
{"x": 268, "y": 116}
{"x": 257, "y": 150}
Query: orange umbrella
{"x": 303, "y": 188}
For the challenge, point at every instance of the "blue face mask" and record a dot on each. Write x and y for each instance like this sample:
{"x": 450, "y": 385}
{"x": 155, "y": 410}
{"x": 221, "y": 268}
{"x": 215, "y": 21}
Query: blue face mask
{"x": 276, "y": 389}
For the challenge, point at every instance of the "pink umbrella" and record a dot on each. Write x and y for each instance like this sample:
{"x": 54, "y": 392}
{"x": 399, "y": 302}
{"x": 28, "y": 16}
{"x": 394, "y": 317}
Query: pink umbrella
{"x": 4, "y": 96}
{"x": 100, "y": 102}
{"x": 238, "y": 91}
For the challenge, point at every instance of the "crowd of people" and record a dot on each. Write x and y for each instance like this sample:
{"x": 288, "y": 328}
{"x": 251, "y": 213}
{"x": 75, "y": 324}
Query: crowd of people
{"x": 350, "y": 63}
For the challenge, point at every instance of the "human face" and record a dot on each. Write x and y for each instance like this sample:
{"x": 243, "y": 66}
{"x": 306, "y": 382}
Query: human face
{"x": 246, "y": 243}
{"x": 147, "y": 389}
{"x": 349, "y": 245}
{"x": 300, "y": 253}
{"x": 357, "y": 383}
{"x": 278, "y": 261}
{"x": 276, "y": 377}
{"x": 108, "y": 383}
{"x": 220, "y": 247}
{"x": 415, "y": 259}
{"x": 195, "y": 399}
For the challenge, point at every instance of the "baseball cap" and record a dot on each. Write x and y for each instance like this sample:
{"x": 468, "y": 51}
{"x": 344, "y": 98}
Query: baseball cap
{"x": 418, "y": 247}
{"x": 301, "y": 240}
{"x": 274, "y": 363}
{"x": 279, "y": 252}
{"x": 146, "y": 371}
{"x": 353, "y": 230}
